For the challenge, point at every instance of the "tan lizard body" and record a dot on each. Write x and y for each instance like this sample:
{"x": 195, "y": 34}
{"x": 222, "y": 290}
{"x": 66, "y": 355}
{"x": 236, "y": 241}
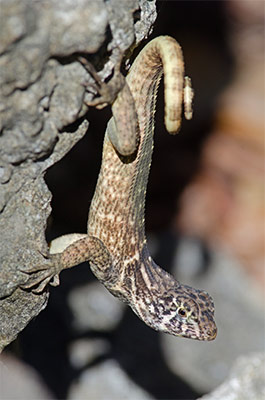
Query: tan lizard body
{"x": 115, "y": 243}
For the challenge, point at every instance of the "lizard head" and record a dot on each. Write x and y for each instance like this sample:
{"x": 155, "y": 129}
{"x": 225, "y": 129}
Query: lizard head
{"x": 189, "y": 313}
{"x": 181, "y": 311}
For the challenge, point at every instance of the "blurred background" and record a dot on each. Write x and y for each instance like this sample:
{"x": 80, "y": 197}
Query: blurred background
{"x": 204, "y": 223}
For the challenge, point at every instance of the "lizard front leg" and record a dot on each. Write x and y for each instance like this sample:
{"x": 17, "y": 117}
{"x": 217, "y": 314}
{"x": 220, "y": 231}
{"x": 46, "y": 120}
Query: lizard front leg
{"x": 68, "y": 251}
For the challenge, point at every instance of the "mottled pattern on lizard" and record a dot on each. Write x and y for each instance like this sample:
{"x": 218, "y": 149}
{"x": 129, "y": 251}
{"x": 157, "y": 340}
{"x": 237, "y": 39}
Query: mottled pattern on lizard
{"x": 115, "y": 243}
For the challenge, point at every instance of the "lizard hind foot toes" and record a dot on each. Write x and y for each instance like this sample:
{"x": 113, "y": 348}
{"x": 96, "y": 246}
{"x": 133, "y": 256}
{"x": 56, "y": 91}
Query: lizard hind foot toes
{"x": 42, "y": 285}
{"x": 37, "y": 281}
{"x": 35, "y": 268}
{"x": 55, "y": 281}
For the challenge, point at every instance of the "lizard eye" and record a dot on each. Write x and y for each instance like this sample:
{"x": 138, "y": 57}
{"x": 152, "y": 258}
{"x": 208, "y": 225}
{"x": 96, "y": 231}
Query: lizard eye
{"x": 182, "y": 312}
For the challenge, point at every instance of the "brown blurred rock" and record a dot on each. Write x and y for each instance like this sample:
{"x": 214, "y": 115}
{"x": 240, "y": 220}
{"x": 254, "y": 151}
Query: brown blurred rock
{"x": 246, "y": 381}
{"x": 224, "y": 204}
{"x": 19, "y": 381}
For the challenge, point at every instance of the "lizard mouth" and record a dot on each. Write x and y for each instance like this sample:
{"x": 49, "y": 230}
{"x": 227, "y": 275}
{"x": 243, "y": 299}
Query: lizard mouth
{"x": 210, "y": 332}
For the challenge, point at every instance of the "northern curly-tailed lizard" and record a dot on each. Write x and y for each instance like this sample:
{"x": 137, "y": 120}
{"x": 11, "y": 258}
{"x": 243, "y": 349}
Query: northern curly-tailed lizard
{"x": 115, "y": 243}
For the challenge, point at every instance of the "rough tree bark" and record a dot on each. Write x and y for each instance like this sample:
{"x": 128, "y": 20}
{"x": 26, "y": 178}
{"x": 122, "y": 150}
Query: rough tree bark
{"x": 42, "y": 117}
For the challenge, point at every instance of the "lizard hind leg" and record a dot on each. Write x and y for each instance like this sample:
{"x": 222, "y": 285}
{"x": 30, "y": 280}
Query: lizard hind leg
{"x": 124, "y": 140}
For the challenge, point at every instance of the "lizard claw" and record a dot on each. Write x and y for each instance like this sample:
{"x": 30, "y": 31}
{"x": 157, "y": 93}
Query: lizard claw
{"x": 55, "y": 281}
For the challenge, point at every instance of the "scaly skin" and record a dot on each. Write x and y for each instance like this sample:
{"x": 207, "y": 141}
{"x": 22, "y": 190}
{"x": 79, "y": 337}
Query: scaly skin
{"x": 115, "y": 243}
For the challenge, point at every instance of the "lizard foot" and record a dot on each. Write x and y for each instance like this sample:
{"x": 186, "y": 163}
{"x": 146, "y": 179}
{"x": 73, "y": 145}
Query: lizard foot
{"x": 39, "y": 276}
{"x": 107, "y": 91}
{"x": 123, "y": 129}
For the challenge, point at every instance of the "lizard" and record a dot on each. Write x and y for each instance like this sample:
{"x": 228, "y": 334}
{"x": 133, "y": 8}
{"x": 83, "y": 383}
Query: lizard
{"x": 115, "y": 244}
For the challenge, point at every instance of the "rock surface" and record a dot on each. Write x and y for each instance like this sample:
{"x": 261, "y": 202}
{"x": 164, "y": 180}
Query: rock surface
{"x": 18, "y": 380}
{"x": 246, "y": 380}
{"x": 106, "y": 382}
{"x": 94, "y": 308}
